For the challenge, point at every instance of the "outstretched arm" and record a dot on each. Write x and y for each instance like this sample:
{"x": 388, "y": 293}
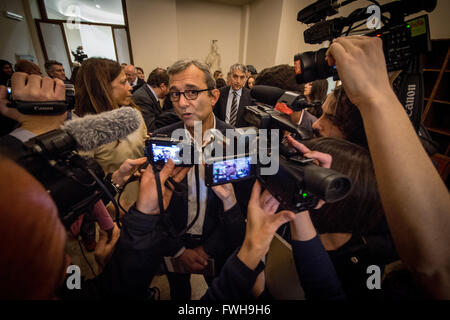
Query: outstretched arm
{"x": 415, "y": 200}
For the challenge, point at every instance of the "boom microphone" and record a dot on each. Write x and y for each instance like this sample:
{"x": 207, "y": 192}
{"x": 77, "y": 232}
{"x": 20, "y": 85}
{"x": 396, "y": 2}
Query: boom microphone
{"x": 93, "y": 131}
{"x": 273, "y": 95}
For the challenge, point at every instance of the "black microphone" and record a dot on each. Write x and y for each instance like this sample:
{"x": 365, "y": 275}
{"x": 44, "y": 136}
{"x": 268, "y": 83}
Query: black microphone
{"x": 273, "y": 95}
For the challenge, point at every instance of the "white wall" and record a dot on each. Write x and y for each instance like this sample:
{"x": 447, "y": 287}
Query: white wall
{"x": 200, "y": 22}
{"x": 15, "y": 35}
{"x": 291, "y": 33}
{"x": 263, "y": 33}
{"x": 163, "y": 31}
{"x": 153, "y": 33}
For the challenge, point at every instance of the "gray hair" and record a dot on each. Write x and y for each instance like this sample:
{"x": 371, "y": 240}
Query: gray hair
{"x": 238, "y": 66}
{"x": 182, "y": 65}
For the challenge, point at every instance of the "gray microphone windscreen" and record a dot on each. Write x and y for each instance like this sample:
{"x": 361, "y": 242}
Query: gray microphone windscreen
{"x": 93, "y": 131}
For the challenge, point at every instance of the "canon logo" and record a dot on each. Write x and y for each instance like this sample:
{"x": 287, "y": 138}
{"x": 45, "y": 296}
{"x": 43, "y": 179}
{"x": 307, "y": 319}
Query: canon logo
{"x": 410, "y": 97}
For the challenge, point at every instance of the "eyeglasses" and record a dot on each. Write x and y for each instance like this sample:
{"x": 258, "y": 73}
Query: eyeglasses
{"x": 188, "y": 94}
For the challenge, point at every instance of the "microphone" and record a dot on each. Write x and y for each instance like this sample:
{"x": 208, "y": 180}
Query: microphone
{"x": 273, "y": 95}
{"x": 93, "y": 131}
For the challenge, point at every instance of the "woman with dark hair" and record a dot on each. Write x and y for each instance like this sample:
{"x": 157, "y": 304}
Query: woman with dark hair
{"x": 250, "y": 82}
{"x": 340, "y": 119}
{"x": 102, "y": 86}
{"x": 220, "y": 83}
{"x": 354, "y": 230}
{"x": 6, "y": 71}
{"x": 316, "y": 91}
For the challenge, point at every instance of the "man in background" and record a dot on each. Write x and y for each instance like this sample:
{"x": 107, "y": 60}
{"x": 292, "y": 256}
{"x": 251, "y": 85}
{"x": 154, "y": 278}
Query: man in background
{"x": 55, "y": 70}
{"x": 151, "y": 96}
{"x": 132, "y": 78}
{"x": 233, "y": 98}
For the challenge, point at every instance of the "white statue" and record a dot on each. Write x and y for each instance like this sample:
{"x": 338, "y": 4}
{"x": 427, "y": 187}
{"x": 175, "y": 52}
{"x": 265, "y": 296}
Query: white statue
{"x": 213, "y": 58}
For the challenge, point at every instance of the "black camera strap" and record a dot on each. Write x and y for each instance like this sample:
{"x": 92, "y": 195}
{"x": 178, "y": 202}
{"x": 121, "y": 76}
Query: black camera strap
{"x": 179, "y": 189}
{"x": 409, "y": 87}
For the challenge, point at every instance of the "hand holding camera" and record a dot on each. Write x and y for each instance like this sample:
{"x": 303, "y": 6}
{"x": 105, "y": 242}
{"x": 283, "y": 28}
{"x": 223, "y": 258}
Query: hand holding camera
{"x": 361, "y": 67}
{"x": 147, "y": 202}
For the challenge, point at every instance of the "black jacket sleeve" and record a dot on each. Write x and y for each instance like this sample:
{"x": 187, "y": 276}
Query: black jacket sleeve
{"x": 235, "y": 281}
{"x": 316, "y": 271}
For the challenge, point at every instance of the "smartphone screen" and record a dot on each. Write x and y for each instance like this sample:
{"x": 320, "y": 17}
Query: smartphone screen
{"x": 162, "y": 153}
{"x": 230, "y": 170}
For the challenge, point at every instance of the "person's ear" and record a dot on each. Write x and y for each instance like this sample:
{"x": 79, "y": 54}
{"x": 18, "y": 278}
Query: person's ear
{"x": 215, "y": 94}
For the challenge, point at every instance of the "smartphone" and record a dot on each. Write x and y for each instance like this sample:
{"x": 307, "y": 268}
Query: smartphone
{"x": 229, "y": 169}
{"x": 159, "y": 150}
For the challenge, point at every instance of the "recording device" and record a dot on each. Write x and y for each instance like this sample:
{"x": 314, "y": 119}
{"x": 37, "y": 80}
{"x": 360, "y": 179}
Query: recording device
{"x": 44, "y": 107}
{"x": 273, "y": 95}
{"x": 76, "y": 182}
{"x": 263, "y": 116}
{"x": 229, "y": 169}
{"x": 319, "y": 10}
{"x": 402, "y": 41}
{"x": 159, "y": 149}
{"x": 298, "y": 185}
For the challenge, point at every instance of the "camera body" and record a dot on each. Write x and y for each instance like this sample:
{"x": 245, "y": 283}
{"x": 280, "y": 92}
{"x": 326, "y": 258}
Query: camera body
{"x": 298, "y": 184}
{"x": 51, "y": 159}
{"x": 44, "y": 107}
{"x": 402, "y": 40}
{"x": 234, "y": 168}
{"x": 159, "y": 149}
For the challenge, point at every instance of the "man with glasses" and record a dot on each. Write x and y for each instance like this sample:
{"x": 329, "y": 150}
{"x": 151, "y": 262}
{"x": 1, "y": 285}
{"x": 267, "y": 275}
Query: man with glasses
{"x": 147, "y": 97}
{"x": 233, "y": 98}
{"x": 212, "y": 216}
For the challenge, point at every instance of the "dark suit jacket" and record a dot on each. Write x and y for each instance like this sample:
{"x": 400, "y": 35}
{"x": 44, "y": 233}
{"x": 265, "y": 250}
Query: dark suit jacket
{"x": 217, "y": 239}
{"x": 149, "y": 105}
{"x": 220, "y": 109}
{"x": 139, "y": 84}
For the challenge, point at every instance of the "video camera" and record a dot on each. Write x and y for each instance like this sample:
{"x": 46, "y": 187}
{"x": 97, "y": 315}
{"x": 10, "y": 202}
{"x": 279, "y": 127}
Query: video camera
{"x": 44, "y": 107}
{"x": 298, "y": 184}
{"x": 73, "y": 181}
{"x": 402, "y": 40}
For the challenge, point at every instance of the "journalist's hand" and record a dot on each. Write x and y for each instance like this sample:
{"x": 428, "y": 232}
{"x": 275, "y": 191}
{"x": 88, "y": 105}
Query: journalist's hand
{"x": 126, "y": 170}
{"x": 148, "y": 196}
{"x": 321, "y": 159}
{"x": 226, "y": 193}
{"x": 262, "y": 223}
{"x": 105, "y": 247}
{"x": 30, "y": 88}
{"x": 193, "y": 260}
{"x": 362, "y": 68}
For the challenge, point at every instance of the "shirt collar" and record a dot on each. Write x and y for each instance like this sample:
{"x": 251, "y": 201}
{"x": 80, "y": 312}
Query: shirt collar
{"x": 157, "y": 98}
{"x": 208, "y": 136}
{"x": 239, "y": 92}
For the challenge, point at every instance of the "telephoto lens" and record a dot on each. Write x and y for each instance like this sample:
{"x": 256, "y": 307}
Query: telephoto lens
{"x": 311, "y": 65}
